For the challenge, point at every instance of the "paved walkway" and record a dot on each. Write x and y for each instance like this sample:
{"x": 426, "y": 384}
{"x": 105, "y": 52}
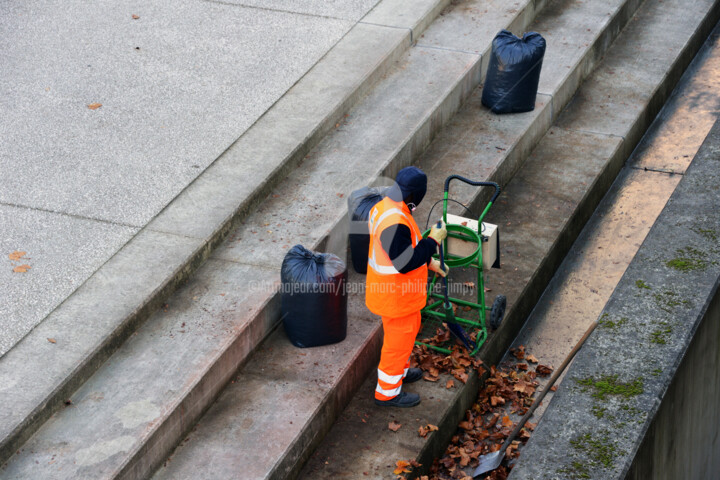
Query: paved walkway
{"x": 110, "y": 110}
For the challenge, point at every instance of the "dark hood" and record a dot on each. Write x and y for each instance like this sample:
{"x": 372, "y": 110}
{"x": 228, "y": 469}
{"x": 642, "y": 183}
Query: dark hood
{"x": 410, "y": 186}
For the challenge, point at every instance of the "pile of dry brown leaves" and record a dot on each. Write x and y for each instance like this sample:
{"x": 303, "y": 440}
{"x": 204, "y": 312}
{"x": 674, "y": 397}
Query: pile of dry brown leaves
{"x": 434, "y": 363}
{"x": 507, "y": 390}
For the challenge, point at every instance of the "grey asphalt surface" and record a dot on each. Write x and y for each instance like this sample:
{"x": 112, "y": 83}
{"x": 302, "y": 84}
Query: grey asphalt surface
{"x": 177, "y": 86}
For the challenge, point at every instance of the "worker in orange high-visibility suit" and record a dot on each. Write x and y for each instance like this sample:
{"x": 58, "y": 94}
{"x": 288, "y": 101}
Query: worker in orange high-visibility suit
{"x": 396, "y": 284}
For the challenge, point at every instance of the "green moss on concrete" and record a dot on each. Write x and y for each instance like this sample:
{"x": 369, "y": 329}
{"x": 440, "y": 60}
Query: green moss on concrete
{"x": 707, "y": 233}
{"x": 668, "y": 300}
{"x": 610, "y": 324}
{"x": 688, "y": 259}
{"x": 609, "y": 385}
{"x": 599, "y": 412}
{"x": 576, "y": 470}
{"x": 686, "y": 264}
{"x": 599, "y": 448}
{"x": 630, "y": 409}
{"x": 661, "y": 335}
{"x": 657, "y": 372}
{"x": 642, "y": 284}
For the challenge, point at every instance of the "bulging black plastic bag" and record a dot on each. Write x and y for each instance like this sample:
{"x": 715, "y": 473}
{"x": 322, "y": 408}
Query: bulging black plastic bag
{"x": 360, "y": 202}
{"x": 513, "y": 72}
{"x": 314, "y": 297}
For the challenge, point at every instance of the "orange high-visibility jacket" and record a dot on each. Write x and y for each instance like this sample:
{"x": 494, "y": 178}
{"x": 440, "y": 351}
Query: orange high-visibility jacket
{"x": 388, "y": 292}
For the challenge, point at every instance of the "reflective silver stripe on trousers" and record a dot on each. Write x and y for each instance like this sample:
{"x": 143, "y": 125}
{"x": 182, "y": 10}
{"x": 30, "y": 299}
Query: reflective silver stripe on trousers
{"x": 389, "y": 393}
{"x": 391, "y": 379}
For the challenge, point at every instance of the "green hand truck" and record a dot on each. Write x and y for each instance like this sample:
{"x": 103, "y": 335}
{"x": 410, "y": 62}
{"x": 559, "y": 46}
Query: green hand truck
{"x": 471, "y": 329}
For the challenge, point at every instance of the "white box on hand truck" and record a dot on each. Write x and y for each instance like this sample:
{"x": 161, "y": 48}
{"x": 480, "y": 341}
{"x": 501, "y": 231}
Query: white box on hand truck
{"x": 463, "y": 248}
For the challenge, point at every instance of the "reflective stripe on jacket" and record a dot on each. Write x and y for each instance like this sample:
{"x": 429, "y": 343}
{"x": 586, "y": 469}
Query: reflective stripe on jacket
{"x": 389, "y": 292}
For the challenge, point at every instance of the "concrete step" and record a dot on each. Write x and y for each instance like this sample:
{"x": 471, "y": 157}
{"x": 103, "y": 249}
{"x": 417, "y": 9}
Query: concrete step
{"x": 230, "y": 305}
{"x": 94, "y": 320}
{"x": 311, "y": 386}
{"x": 541, "y": 211}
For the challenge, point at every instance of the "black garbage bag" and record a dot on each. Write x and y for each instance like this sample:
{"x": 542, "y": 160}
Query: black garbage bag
{"x": 513, "y": 72}
{"x": 360, "y": 202}
{"x": 314, "y": 297}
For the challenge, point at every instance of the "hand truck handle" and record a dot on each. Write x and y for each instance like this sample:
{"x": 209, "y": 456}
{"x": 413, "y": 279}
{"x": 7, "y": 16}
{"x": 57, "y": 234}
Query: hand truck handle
{"x": 476, "y": 184}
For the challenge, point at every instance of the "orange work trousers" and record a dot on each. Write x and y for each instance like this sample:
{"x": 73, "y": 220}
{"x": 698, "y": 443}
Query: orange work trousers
{"x": 400, "y": 333}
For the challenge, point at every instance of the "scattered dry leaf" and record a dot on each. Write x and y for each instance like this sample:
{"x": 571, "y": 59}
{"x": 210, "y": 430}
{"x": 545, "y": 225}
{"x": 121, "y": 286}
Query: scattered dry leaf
{"x": 22, "y": 268}
{"x": 402, "y": 467}
{"x": 531, "y": 358}
{"x": 94, "y": 106}
{"x": 543, "y": 370}
{"x": 519, "y": 352}
{"x": 464, "y": 458}
{"x": 51, "y": 340}
{"x": 465, "y": 425}
{"x": 524, "y": 388}
{"x": 506, "y": 422}
{"x": 460, "y": 375}
{"x": 450, "y": 384}
{"x": 493, "y": 420}
{"x": 135, "y": 17}
{"x": 394, "y": 426}
{"x": 423, "y": 431}
{"x": 16, "y": 255}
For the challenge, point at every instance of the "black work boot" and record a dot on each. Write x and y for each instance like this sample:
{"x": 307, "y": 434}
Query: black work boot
{"x": 403, "y": 400}
{"x": 413, "y": 375}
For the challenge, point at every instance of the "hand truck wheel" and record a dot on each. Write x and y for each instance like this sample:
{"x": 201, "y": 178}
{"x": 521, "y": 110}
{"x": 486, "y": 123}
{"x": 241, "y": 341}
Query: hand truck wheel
{"x": 497, "y": 313}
